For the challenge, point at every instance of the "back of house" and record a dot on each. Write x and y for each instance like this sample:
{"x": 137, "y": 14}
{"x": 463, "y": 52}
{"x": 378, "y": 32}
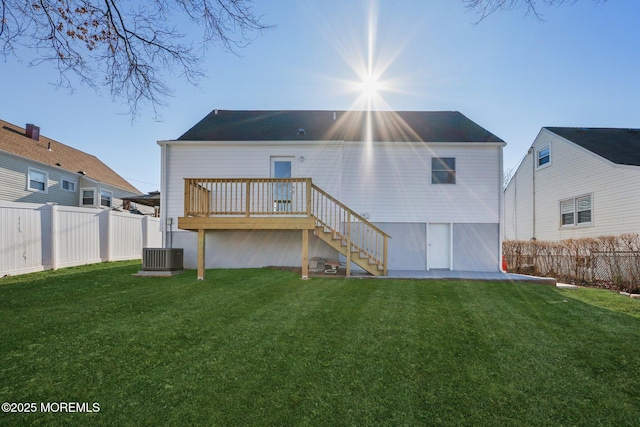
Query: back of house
{"x": 429, "y": 181}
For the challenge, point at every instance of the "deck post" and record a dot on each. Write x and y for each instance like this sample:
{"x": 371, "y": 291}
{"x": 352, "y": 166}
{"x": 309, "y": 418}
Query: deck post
{"x": 348, "y": 267}
{"x": 201, "y": 246}
{"x": 308, "y": 201}
{"x": 247, "y": 207}
{"x": 187, "y": 199}
{"x": 385, "y": 270}
{"x": 305, "y": 254}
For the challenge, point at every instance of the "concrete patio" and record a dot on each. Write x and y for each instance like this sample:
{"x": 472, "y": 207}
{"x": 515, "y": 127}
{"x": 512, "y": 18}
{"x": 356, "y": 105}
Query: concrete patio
{"x": 469, "y": 275}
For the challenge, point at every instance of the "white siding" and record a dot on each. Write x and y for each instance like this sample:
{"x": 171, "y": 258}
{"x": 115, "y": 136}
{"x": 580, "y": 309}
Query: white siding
{"x": 13, "y": 182}
{"x": 573, "y": 172}
{"x": 518, "y": 203}
{"x": 392, "y": 183}
{"x": 321, "y": 162}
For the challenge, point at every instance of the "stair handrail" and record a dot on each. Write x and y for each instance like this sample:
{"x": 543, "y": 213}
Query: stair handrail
{"x": 348, "y": 216}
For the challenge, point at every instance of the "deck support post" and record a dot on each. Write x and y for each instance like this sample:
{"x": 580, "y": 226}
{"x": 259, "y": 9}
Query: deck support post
{"x": 305, "y": 254}
{"x": 348, "y": 254}
{"x": 201, "y": 246}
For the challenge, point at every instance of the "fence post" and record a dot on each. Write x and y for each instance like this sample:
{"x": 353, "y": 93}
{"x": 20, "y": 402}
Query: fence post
{"x": 108, "y": 234}
{"x": 54, "y": 236}
{"x": 145, "y": 231}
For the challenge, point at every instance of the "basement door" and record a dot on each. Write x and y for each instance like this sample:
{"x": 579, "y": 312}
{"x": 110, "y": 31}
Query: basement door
{"x": 439, "y": 246}
{"x": 282, "y": 167}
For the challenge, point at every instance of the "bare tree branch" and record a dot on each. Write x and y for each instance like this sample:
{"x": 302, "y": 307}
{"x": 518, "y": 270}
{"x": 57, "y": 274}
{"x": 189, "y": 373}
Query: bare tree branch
{"x": 127, "y": 47}
{"x": 486, "y": 8}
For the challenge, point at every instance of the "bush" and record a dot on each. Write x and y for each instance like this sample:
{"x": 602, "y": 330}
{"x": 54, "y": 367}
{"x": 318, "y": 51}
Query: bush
{"x": 610, "y": 262}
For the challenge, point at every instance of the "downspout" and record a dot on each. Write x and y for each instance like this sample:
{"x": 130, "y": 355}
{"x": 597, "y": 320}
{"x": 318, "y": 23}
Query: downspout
{"x": 533, "y": 162}
{"x": 163, "y": 194}
{"x": 501, "y": 208}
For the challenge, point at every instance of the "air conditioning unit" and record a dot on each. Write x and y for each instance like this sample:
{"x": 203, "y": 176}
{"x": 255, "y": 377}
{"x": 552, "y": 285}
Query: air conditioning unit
{"x": 162, "y": 259}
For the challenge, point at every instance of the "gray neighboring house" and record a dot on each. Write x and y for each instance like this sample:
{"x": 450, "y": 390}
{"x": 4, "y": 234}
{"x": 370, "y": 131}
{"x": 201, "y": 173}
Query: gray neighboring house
{"x": 575, "y": 183}
{"x": 37, "y": 169}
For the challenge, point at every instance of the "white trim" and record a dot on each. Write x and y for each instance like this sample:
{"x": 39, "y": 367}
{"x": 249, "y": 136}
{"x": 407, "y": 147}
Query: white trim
{"x": 82, "y": 190}
{"x": 537, "y": 157}
{"x": 455, "y": 170}
{"x": 46, "y": 180}
{"x": 575, "y": 212}
{"x": 475, "y": 144}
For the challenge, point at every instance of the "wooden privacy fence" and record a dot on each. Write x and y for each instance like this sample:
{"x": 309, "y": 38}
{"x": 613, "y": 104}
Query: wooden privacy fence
{"x": 37, "y": 237}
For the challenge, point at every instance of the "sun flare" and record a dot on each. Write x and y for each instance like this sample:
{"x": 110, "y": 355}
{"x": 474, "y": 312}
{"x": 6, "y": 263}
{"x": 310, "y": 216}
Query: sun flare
{"x": 369, "y": 86}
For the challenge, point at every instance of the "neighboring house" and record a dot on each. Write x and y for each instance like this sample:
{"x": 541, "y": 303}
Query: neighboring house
{"x": 402, "y": 190}
{"x": 574, "y": 183}
{"x": 37, "y": 169}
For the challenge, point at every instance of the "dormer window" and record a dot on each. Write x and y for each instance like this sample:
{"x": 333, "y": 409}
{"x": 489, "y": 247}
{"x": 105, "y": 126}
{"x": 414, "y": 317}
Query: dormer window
{"x": 301, "y": 131}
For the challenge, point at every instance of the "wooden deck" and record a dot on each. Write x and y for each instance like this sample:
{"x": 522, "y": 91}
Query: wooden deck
{"x": 282, "y": 204}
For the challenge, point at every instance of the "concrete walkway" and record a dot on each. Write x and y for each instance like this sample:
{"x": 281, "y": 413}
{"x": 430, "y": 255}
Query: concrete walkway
{"x": 469, "y": 275}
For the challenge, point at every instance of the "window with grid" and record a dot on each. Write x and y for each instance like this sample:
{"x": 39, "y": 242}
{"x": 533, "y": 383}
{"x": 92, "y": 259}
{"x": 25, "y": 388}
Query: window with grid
{"x": 576, "y": 211}
{"x": 544, "y": 157}
{"x": 88, "y": 197}
{"x": 443, "y": 170}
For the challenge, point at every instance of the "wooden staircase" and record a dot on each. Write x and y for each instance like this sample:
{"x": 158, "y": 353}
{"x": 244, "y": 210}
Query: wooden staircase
{"x": 350, "y": 234}
{"x": 282, "y": 204}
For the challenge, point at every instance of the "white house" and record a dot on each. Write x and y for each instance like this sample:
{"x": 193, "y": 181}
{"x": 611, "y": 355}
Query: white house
{"x": 37, "y": 169}
{"x": 574, "y": 183}
{"x": 402, "y": 190}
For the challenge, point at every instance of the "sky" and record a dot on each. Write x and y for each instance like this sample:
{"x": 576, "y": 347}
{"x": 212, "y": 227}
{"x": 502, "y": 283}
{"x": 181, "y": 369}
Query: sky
{"x": 510, "y": 73}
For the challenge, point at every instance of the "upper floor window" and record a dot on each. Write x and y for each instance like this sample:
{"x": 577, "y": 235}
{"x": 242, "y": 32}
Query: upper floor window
{"x": 544, "y": 157}
{"x": 105, "y": 198}
{"x": 88, "y": 197}
{"x": 576, "y": 211}
{"x": 443, "y": 170}
{"x": 37, "y": 180}
{"x": 68, "y": 185}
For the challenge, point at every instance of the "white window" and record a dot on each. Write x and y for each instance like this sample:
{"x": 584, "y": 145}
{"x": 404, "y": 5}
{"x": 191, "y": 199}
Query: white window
{"x": 576, "y": 211}
{"x": 68, "y": 185}
{"x": 88, "y": 197}
{"x": 543, "y": 157}
{"x": 443, "y": 170}
{"x": 37, "y": 180}
{"x": 105, "y": 198}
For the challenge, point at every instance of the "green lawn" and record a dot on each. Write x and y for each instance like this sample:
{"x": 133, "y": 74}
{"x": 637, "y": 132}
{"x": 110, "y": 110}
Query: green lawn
{"x": 263, "y": 347}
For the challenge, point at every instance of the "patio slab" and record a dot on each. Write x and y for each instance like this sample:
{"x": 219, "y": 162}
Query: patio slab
{"x": 469, "y": 275}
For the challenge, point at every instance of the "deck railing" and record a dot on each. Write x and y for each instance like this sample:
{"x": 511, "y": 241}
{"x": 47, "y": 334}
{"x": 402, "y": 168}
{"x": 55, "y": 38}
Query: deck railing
{"x": 246, "y": 196}
{"x": 210, "y": 197}
{"x": 363, "y": 239}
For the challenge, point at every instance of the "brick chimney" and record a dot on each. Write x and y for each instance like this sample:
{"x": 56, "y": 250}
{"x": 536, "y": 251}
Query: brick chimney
{"x": 32, "y": 131}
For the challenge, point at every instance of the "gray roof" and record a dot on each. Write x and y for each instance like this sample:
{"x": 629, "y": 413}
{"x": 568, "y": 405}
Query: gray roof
{"x": 620, "y": 146}
{"x": 403, "y": 126}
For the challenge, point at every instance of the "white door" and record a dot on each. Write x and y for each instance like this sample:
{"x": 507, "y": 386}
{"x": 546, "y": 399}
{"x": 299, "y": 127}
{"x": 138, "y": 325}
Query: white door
{"x": 282, "y": 167}
{"x": 439, "y": 246}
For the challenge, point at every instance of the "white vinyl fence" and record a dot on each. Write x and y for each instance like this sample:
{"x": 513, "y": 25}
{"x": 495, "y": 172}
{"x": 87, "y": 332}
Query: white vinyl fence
{"x": 42, "y": 237}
